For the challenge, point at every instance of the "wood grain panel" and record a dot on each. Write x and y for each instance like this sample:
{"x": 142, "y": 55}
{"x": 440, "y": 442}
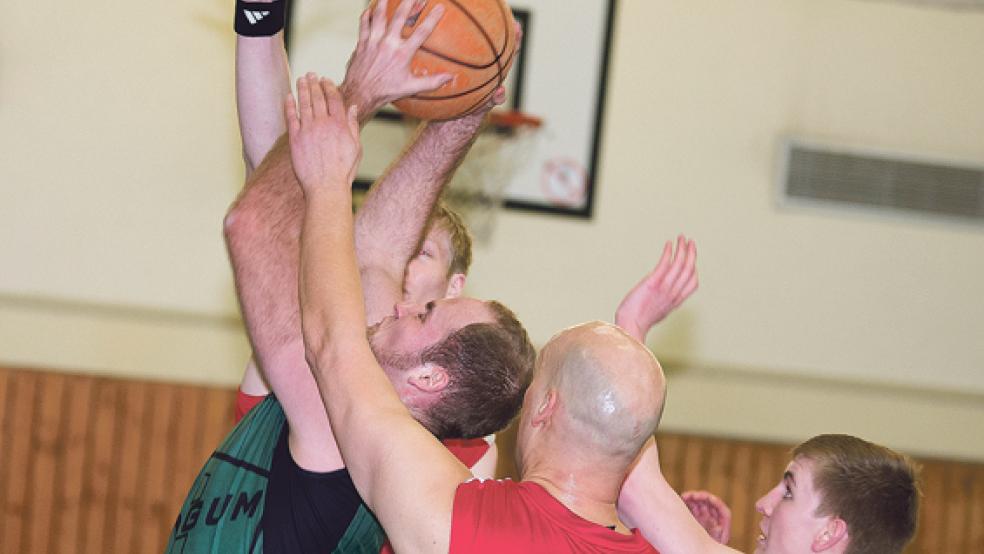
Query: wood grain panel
{"x": 45, "y": 451}
{"x": 70, "y": 514}
{"x": 17, "y": 460}
{"x": 129, "y": 494}
{"x": 93, "y": 464}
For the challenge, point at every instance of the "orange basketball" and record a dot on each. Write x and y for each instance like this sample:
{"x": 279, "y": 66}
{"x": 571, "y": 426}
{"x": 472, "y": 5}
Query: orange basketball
{"x": 475, "y": 41}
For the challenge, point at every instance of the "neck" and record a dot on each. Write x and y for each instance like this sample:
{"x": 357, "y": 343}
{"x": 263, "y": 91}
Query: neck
{"x": 587, "y": 491}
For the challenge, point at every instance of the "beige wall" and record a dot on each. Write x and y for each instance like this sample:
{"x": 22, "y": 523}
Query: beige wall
{"x": 121, "y": 154}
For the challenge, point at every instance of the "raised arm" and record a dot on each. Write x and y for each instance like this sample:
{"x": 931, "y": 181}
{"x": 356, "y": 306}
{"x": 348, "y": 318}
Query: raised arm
{"x": 388, "y": 227}
{"x": 372, "y": 426}
{"x": 262, "y": 79}
{"x": 262, "y": 83}
{"x": 391, "y": 221}
{"x": 647, "y": 502}
{"x": 263, "y": 231}
{"x": 660, "y": 291}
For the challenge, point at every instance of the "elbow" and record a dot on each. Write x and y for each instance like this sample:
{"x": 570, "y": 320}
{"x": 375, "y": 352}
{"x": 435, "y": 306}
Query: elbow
{"x": 317, "y": 344}
{"x": 314, "y": 349}
{"x": 241, "y": 224}
{"x": 319, "y": 355}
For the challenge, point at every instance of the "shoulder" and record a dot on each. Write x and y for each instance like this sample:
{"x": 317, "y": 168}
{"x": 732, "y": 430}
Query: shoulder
{"x": 495, "y": 504}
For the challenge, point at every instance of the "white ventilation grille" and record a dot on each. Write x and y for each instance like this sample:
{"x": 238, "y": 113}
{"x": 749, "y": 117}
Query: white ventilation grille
{"x": 856, "y": 178}
{"x": 945, "y": 4}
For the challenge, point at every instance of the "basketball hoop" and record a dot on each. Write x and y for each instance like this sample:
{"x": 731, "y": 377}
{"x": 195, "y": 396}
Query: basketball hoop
{"x": 509, "y": 121}
{"x": 476, "y": 190}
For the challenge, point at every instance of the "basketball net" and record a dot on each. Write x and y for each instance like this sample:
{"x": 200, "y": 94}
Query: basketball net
{"x": 476, "y": 190}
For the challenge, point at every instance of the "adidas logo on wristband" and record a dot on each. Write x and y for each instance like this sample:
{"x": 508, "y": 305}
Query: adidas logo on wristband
{"x": 259, "y": 19}
{"x": 254, "y": 16}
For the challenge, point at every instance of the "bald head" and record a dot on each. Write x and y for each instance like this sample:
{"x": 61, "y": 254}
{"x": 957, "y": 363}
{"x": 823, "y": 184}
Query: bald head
{"x": 610, "y": 387}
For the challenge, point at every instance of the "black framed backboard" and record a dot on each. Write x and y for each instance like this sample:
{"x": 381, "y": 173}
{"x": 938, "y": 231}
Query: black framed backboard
{"x": 560, "y": 77}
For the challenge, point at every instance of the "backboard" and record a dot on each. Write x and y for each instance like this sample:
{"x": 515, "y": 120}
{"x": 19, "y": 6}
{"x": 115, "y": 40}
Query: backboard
{"x": 559, "y": 77}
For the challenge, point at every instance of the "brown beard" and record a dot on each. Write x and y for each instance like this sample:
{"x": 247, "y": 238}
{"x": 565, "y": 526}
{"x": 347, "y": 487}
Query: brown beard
{"x": 396, "y": 361}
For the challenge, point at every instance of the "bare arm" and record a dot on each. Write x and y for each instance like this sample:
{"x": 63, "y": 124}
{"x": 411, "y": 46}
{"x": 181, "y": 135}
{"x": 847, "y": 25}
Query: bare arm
{"x": 389, "y": 225}
{"x": 647, "y": 496}
{"x": 647, "y": 502}
{"x": 371, "y": 424}
{"x": 262, "y": 83}
{"x": 263, "y": 231}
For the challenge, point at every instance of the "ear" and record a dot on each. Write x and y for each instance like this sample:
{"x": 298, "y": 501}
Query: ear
{"x": 833, "y": 533}
{"x": 429, "y": 378}
{"x": 545, "y": 409}
{"x": 456, "y": 285}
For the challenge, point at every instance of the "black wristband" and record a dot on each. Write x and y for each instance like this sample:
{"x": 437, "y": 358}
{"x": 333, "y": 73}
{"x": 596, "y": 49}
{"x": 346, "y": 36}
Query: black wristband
{"x": 259, "y": 19}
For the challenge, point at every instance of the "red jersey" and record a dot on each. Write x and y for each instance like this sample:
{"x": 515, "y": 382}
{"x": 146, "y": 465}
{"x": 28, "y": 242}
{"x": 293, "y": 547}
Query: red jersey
{"x": 496, "y": 516}
{"x": 245, "y": 403}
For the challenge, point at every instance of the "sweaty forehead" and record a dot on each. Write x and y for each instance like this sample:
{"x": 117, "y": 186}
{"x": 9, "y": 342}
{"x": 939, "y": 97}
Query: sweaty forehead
{"x": 464, "y": 311}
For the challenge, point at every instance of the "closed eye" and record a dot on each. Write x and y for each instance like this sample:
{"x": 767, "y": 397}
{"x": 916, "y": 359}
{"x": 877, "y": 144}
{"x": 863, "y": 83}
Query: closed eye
{"x": 427, "y": 312}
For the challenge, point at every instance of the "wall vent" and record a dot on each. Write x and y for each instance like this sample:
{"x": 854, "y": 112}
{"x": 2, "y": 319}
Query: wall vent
{"x": 889, "y": 181}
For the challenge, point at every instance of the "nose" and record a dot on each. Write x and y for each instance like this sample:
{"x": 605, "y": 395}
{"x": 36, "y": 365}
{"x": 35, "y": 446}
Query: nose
{"x": 403, "y": 309}
{"x": 768, "y": 501}
{"x": 760, "y": 505}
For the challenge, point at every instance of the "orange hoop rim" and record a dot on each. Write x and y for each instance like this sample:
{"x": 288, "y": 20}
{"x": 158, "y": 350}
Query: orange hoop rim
{"x": 514, "y": 119}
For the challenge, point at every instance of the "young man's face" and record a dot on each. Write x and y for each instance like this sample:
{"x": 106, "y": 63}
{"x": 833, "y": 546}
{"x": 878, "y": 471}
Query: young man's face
{"x": 789, "y": 521}
{"x": 400, "y": 338}
{"x": 427, "y": 277}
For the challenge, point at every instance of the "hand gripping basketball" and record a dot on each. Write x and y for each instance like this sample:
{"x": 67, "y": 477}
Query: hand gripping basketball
{"x": 379, "y": 69}
{"x": 475, "y": 41}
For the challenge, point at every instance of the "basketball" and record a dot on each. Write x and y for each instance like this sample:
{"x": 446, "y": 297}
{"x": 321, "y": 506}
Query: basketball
{"x": 475, "y": 42}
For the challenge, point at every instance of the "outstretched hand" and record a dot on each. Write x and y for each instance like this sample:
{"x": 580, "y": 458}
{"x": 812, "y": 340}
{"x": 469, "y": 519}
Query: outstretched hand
{"x": 711, "y": 512}
{"x": 379, "y": 70}
{"x": 323, "y": 134}
{"x": 660, "y": 292}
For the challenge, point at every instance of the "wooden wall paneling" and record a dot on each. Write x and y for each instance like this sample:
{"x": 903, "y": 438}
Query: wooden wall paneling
{"x": 185, "y": 462}
{"x": 156, "y": 515}
{"x": 694, "y": 467}
{"x": 17, "y": 458}
{"x": 975, "y": 516}
{"x": 100, "y": 476}
{"x": 77, "y": 400}
{"x": 505, "y": 443}
{"x": 959, "y": 484}
{"x": 129, "y": 465}
{"x": 45, "y": 452}
{"x": 217, "y": 421}
{"x": 737, "y": 495}
{"x": 719, "y": 470}
{"x": 91, "y": 464}
{"x": 5, "y": 380}
{"x": 929, "y": 537}
{"x": 720, "y": 457}
{"x": 671, "y": 451}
